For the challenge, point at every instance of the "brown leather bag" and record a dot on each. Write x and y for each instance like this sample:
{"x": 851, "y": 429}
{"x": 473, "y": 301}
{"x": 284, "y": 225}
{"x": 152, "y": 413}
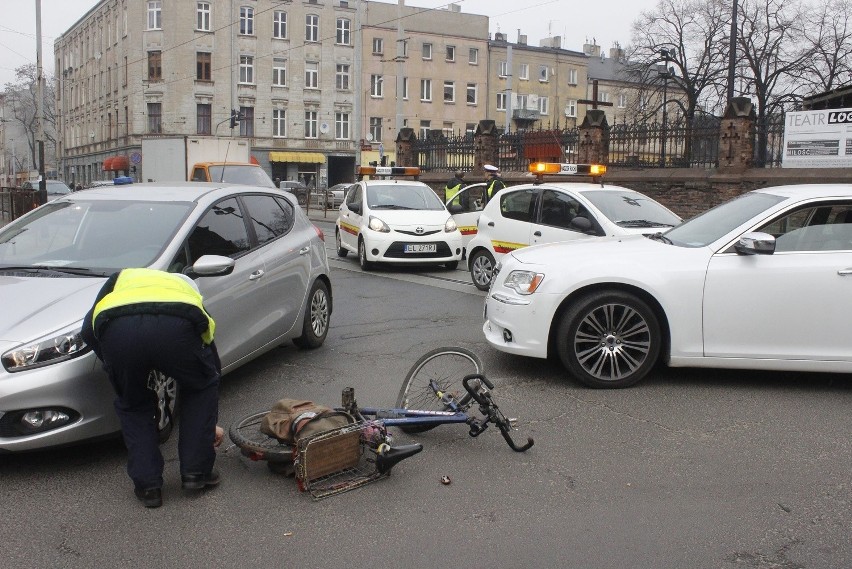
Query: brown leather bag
{"x": 293, "y": 419}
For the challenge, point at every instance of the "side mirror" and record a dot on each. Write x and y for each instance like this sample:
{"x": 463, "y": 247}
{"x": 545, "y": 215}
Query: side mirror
{"x": 355, "y": 208}
{"x": 755, "y": 243}
{"x": 455, "y": 208}
{"x": 581, "y": 223}
{"x": 212, "y": 266}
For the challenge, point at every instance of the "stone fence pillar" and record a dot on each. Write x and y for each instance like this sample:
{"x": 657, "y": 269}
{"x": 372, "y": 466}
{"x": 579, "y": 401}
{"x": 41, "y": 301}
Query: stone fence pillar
{"x": 484, "y": 146}
{"x": 405, "y": 140}
{"x": 736, "y": 140}
{"x": 594, "y": 138}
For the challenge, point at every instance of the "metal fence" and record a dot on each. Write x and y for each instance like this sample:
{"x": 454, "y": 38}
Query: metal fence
{"x": 675, "y": 144}
{"x": 15, "y": 202}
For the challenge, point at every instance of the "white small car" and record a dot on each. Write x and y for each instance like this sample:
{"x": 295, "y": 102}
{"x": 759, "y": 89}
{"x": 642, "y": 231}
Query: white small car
{"x": 531, "y": 214}
{"x": 397, "y": 222}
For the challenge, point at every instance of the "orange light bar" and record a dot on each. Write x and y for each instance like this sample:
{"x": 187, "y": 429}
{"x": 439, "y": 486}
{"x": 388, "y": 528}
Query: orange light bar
{"x": 561, "y": 169}
{"x": 388, "y": 171}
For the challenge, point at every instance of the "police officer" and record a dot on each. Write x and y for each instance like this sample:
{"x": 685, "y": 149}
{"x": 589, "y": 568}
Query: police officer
{"x": 144, "y": 320}
{"x": 494, "y": 183}
{"x": 453, "y": 186}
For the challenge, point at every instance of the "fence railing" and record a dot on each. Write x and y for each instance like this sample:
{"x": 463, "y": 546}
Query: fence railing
{"x": 15, "y": 202}
{"x": 678, "y": 144}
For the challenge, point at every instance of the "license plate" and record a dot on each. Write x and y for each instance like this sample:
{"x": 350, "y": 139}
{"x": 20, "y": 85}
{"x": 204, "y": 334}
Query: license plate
{"x": 420, "y": 248}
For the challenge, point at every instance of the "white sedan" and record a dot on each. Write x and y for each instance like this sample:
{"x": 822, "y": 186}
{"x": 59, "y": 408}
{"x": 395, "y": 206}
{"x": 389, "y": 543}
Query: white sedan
{"x": 761, "y": 282}
{"x": 397, "y": 222}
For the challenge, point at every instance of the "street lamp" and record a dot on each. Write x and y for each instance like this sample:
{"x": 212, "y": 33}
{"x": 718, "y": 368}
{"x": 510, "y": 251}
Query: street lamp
{"x": 665, "y": 74}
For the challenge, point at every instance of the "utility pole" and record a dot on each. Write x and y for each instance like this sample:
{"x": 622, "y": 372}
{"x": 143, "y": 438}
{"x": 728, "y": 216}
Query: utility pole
{"x": 732, "y": 53}
{"x": 42, "y": 185}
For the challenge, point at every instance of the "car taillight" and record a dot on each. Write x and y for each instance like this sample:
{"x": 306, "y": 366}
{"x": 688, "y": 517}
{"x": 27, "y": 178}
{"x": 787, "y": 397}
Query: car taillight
{"x": 320, "y": 234}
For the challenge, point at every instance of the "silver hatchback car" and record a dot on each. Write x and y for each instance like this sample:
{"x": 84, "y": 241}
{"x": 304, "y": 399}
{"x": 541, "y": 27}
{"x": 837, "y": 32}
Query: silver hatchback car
{"x": 259, "y": 262}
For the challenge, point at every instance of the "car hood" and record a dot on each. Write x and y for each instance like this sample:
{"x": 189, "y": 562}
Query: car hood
{"x": 595, "y": 249}
{"x": 37, "y": 306}
{"x": 401, "y": 218}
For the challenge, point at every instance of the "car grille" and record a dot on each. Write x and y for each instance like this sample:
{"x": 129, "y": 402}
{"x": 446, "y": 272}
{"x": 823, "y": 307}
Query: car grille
{"x": 396, "y": 251}
{"x": 418, "y": 234}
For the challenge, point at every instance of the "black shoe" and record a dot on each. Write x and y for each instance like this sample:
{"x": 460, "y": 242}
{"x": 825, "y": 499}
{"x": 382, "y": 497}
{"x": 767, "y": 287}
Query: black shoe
{"x": 200, "y": 481}
{"x": 151, "y": 497}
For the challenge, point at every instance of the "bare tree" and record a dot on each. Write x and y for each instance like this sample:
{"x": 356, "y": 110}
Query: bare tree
{"x": 22, "y": 97}
{"x": 828, "y": 34}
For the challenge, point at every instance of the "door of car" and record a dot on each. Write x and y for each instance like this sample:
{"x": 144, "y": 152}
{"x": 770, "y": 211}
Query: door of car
{"x": 556, "y": 218}
{"x": 236, "y": 301}
{"x": 465, "y": 207}
{"x": 791, "y": 305}
{"x": 286, "y": 248}
{"x": 350, "y": 218}
{"x": 509, "y": 228}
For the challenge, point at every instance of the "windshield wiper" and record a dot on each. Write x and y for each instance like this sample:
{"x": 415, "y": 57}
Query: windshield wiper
{"x": 642, "y": 223}
{"x": 389, "y": 206}
{"x": 659, "y": 237}
{"x": 82, "y": 271}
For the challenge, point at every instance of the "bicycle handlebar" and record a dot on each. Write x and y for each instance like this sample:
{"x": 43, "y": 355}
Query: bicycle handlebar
{"x": 490, "y": 409}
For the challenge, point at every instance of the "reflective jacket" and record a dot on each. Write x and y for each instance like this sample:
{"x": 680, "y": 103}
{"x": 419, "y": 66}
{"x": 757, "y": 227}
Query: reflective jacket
{"x": 451, "y": 189}
{"x": 149, "y": 291}
{"x": 495, "y": 184}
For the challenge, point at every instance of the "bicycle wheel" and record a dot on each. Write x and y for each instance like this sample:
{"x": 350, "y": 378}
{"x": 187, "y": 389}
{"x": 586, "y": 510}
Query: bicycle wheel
{"x": 256, "y": 445}
{"x": 445, "y": 368}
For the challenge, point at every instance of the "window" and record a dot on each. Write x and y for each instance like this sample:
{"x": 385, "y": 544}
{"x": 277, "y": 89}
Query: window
{"x": 344, "y": 31}
{"x": 473, "y": 56}
{"x": 451, "y": 53}
{"x": 571, "y": 108}
{"x": 470, "y": 129}
{"x": 202, "y": 22}
{"x": 376, "y": 128}
{"x": 543, "y": 73}
{"x": 604, "y": 97}
{"x": 521, "y": 101}
{"x": 425, "y": 89}
{"x": 246, "y": 69}
{"x": 427, "y": 51}
{"x": 572, "y": 76}
{"x": 310, "y": 124}
{"x": 246, "y": 121}
{"x": 341, "y": 126}
{"x": 425, "y": 127}
{"x": 643, "y": 102}
{"x": 279, "y": 123}
{"x": 269, "y": 217}
{"x": 155, "y": 118}
{"x": 246, "y": 21}
{"x": 449, "y": 92}
{"x": 279, "y": 72}
{"x": 220, "y": 232}
{"x": 341, "y": 79}
{"x": 204, "y": 118}
{"x": 558, "y": 209}
{"x": 516, "y": 205}
{"x": 447, "y": 129}
{"x": 405, "y": 88}
{"x": 202, "y": 66}
{"x": 543, "y": 105}
{"x": 524, "y": 72}
{"x": 503, "y": 69}
{"x": 311, "y": 75}
{"x": 155, "y": 15}
{"x": 378, "y": 45}
{"x": 471, "y": 93}
{"x": 155, "y": 66}
{"x": 622, "y": 101}
{"x": 501, "y": 101}
{"x": 376, "y": 84}
{"x": 311, "y": 27}
{"x": 279, "y": 25}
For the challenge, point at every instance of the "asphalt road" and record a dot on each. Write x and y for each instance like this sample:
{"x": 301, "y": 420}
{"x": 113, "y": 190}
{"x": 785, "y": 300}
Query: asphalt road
{"x": 689, "y": 469}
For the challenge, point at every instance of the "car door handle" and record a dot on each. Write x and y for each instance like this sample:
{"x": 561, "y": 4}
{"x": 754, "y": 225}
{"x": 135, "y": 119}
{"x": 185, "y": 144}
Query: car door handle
{"x": 844, "y": 272}
{"x": 256, "y": 275}
{"x": 304, "y": 250}
{"x": 537, "y": 233}
{"x": 490, "y": 224}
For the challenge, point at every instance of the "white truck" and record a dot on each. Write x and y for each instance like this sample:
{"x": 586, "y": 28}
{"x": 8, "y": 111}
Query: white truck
{"x": 200, "y": 159}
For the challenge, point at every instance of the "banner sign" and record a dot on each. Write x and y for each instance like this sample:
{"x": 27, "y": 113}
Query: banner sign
{"x": 818, "y": 139}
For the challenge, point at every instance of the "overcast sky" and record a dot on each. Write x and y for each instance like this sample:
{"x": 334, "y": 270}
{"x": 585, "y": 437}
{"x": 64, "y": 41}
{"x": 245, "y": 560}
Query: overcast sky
{"x": 575, "y": 20}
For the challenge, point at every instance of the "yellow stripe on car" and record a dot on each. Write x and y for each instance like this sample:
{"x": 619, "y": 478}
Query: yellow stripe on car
{"x": 505, "y": 246}
{"x": 349, "y": 228}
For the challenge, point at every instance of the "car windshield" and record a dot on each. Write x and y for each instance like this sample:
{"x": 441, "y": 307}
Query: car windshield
{"x": 240, "y": 174}
{"x": 402, "y": 196}
{"x": 54, "y": 187}
{"x": 711, "y": 225}
{"x": 631, "y": 209}
{"x": 97, "y": 236}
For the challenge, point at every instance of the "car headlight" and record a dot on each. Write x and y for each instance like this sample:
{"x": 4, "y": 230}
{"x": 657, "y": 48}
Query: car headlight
{"x": 377, "y": 224}
{"x": 523, "y": 282}
{"x": 61, "y": 346}
{"x": 450, "y": 226}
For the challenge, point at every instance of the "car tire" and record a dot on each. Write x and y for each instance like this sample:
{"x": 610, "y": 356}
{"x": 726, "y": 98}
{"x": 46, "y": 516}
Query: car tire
{"x": 482, "y": 269}
{"x": 317, "y": 318}
{"x": 452, "y": 265}
{"x": 341, "y": 252}
{"x": 609, "y": 339}
{"x": 362, "y": 256}
{"x": 165, "y": 391}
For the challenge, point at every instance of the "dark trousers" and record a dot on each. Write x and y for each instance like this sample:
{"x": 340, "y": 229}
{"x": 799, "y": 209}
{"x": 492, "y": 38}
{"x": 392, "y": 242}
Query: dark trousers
{"x": 132, "y": 346}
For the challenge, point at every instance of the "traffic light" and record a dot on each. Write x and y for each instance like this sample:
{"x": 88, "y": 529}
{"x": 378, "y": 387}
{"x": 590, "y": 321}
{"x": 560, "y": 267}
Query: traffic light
{"x": 235, "y": 117}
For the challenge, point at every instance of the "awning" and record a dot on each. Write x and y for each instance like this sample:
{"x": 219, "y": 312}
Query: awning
{"x": 303, "y": 157}
{"x": 115, "y": 163}
{"x": 107, "y": 164}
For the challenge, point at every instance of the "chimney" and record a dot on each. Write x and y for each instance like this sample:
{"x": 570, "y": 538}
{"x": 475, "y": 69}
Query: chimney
{"x": 455, "y": 8}
{"x": 522, "y": 38}
{"x": 591, "y": 49}
{"x": 499, "y": 36}
{"x": 555, "y": 42}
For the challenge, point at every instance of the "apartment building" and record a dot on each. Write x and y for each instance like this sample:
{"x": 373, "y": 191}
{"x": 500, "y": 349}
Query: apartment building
{"x": 535, "y": 86}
